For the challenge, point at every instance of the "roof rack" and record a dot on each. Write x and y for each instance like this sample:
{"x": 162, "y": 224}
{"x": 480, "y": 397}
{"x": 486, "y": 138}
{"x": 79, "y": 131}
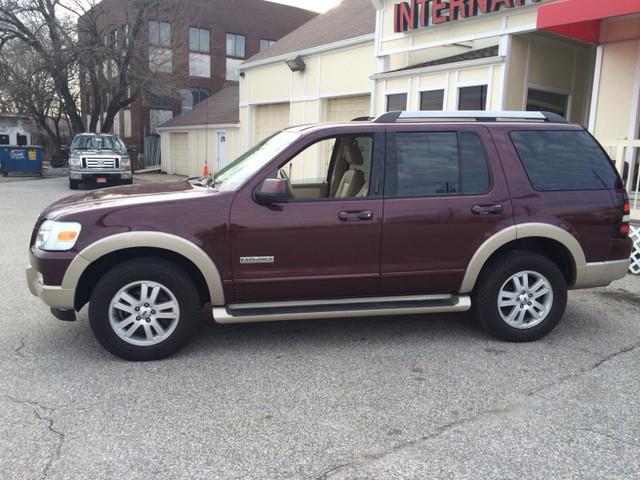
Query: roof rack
{"x": 469, "y": 116}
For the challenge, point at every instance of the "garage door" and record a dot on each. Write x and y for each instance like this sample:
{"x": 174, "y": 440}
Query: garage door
{"x": 180, "y": 153}
{"x": 346, "y": 109}
{"x": 271, "y": 119}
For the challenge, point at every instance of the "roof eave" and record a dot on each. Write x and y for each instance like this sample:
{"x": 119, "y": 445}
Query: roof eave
{"x": 436, "y": 68}
{"x": 174, "y": 128}
{"x": 349, "y": 42}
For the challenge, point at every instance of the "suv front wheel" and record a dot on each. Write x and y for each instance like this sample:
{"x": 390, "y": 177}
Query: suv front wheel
{"x": 520, "y": 296}
{"x": 144, "y": 309}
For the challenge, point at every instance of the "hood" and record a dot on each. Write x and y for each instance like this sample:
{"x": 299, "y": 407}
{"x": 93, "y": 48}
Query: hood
{"x": 122, "y": 196}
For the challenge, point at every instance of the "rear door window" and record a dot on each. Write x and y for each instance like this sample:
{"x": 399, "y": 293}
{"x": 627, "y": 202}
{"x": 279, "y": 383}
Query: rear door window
{"x": 563, "y": 160}
{"x": 431, "y": 164}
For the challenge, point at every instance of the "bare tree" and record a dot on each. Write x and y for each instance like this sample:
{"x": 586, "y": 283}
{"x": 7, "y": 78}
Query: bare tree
{"x": 27, "y": 87}
{"x": 74, "y": 44}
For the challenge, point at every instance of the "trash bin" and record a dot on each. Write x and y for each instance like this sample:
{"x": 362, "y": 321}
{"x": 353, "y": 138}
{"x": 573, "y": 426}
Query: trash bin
{"x": 14, "y": 159}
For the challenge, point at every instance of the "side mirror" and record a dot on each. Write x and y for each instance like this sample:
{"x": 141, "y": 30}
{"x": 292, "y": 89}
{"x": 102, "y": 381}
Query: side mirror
{"x": 273, "y": 190}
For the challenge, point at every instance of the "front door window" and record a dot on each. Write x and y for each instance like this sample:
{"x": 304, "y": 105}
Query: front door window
{"x": 335, "y": 167}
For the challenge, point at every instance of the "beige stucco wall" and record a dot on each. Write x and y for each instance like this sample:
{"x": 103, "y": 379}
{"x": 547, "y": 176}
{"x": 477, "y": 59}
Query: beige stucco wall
{"x": 202, "y": 144}
{"x": 614, "y": 109}
{"x": 339, "y": 73}
{"x": 553, "y": 64}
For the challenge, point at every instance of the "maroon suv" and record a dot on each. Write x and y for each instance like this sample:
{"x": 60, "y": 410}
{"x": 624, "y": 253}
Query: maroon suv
{"x": 411, "y": 213}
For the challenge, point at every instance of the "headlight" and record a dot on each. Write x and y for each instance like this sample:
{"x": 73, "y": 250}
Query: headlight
{"x": 57, "y": 236}
{"x": 125, "y": 162}
{"x": 74, "y": 161}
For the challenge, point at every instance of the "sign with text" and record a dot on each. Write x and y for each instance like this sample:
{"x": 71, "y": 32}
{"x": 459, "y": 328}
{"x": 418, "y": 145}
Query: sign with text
{"x": 416, "y": 14}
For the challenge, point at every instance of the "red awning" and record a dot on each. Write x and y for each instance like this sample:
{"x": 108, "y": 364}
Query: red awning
{"x": 580, "y": 19}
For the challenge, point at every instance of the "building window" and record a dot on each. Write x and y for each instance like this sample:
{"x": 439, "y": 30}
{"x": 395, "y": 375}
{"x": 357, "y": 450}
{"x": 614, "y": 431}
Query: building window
{"x": 160, "y": 34}
{"x": 432, "y": 100}
{"x": 159, "y": 100}
{"x": 191, "y": 97}
{"x": 545, "y": 101}
{"x": 125, "y": 35}
{"x": 160, "y": 57}
{"x": 264, "y": 43}
{"x": 236, "y": 45}
{"x": 397, "y": 101}
{"x": 232, "y": 69}
{"x": 157, "y": 117}
{"x": 472, "y": 98}
{"x": 114, "y": 39}
{"x": 199, "y": 58}
{"x": 198, "y": 40}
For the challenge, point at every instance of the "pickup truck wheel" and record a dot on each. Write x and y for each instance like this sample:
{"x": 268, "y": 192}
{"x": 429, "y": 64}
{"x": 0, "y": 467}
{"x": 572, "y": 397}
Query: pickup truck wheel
{"x": 145, "y": 309}
{"x": 520, "y": 297}
{"x": 73, "y": 184}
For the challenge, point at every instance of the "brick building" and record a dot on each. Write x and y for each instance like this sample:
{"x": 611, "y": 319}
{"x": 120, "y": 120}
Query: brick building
{"x": 197, "y": 46}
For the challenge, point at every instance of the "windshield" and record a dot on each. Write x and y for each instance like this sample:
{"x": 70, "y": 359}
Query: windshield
{"x": 247, "y": 165}
{"x": 97, "y": 142}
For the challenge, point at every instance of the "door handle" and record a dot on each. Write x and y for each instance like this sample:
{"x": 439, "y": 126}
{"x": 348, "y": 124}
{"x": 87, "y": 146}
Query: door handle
{"x": 487, "y": 209}
{"x": 355, "y": 216}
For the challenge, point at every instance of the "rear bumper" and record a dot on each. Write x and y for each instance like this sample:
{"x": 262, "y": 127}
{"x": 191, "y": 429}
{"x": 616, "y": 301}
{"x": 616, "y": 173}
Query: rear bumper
{"x": 53, "y": 296}
{"x": 601, "y": 274}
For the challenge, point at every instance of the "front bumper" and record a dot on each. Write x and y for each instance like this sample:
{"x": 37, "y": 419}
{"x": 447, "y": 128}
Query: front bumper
{"x": 92, "y": 175}
{"x": 54, "y": 296}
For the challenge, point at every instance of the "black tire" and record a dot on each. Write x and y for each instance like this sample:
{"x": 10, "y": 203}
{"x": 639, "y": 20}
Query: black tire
{"x": 151, "y": 269}
{"x": 73, "y": 184}
{"x": 493, "y": 277}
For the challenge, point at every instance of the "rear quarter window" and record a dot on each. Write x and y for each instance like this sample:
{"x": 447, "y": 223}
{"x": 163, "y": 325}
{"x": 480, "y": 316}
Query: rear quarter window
{"x": 563, "y": 160}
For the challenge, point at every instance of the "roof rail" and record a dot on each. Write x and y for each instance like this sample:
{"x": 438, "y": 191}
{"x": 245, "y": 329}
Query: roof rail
{"x": 469, "y": 116}
{"x": 362, "y": 119}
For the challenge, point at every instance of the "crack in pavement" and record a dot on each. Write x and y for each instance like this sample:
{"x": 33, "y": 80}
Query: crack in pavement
{"x": 609, "y": 436}
{"x": 579, "y": 373}
{"x": 18, "y": 350}
{"x": 365, "y": 459}
{"x": 441, "y": 430}
{"x": 58, "y": 447}
{"x": 46, "y": 417}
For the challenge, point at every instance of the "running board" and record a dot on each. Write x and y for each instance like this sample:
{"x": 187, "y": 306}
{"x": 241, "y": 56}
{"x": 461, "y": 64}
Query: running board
{"x": 340, "y": 308}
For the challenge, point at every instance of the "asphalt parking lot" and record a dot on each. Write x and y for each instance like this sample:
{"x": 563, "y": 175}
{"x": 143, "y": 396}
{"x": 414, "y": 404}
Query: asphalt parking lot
{"x": 384, "y": 398}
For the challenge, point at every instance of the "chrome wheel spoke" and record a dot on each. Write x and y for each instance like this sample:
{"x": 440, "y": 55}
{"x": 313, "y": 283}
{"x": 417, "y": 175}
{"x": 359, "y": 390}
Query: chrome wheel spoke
{"x": 165, "y": 306}
{"x": 127, "y": 333}
{"x": 128, "y": 298}
{"x": 154, "y": 295}
{"x": 157, "y": 327}
{"x": 123, "y": 307}
{"x": 127, "y": 322}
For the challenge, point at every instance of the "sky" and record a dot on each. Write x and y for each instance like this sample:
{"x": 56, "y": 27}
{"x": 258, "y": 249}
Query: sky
{"x": 316, "y": 5}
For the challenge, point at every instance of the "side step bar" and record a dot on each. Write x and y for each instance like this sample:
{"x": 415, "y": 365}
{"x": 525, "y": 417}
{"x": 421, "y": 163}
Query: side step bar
{"x": 340, "y": 308}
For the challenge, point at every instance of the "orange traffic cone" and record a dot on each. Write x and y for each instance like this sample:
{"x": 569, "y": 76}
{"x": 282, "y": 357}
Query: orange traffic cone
{"x": 205, "y": 172}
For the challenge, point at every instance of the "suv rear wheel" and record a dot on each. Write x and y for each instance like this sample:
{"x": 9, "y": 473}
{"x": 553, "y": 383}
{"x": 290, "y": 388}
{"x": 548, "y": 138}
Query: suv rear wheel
{"x": 520, "y": 296}
{"x": 144, "y": 309}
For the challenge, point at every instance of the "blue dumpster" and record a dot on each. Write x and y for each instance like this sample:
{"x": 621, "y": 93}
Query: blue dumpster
{"x": 20, "y": 160}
